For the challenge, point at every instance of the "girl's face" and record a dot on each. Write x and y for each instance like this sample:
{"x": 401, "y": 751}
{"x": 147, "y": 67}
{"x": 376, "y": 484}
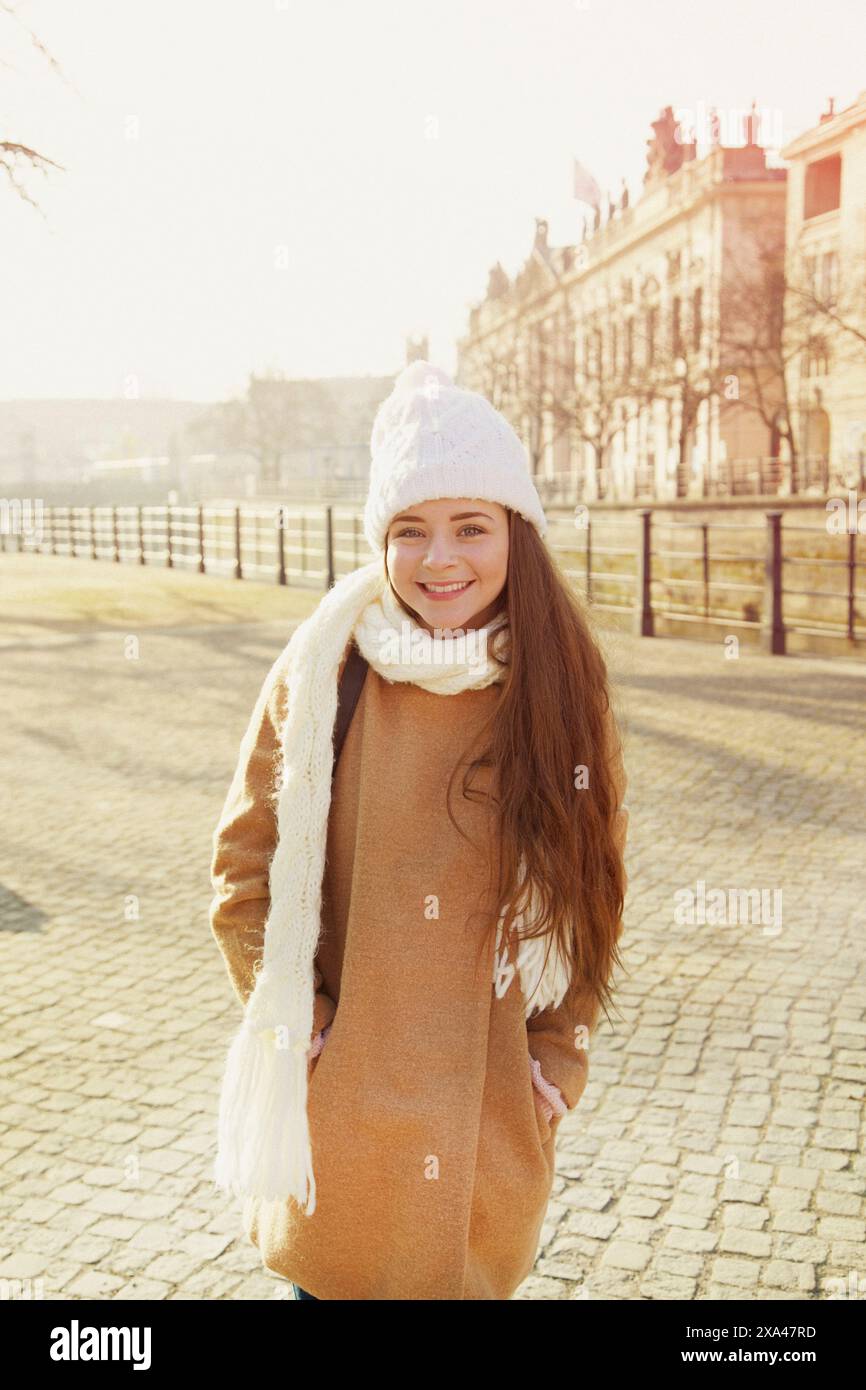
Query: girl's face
{"x": 450, "y": 541}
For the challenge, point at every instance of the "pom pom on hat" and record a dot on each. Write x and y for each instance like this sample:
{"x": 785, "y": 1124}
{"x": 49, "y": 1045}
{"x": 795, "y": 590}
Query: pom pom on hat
{"x": 433, "y": 439}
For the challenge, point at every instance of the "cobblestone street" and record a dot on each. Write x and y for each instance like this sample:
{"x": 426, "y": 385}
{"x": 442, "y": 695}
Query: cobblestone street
{"x": 718, "y": 1149}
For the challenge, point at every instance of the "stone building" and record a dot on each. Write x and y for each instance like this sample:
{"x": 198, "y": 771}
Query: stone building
{"x": 311, "y": 436}
{"x": 621, "y": 359}
{"x": 826, "y": 274}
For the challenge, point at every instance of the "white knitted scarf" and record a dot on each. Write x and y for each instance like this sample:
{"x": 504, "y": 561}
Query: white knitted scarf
{"x": 264, "y": 1142}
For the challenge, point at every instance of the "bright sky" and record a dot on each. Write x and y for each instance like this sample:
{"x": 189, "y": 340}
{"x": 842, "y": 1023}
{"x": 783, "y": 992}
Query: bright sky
{"x": 302, "y": 184}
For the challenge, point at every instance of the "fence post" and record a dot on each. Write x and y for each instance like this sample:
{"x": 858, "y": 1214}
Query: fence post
{"x": 643, "y": 610}
{"x": 93, "y": 533}
{"x": 281, "y": 546}
{"x": 329, "y": 546}
{"x": 141, "y": 559}
{"x": 201, "y": 569}
{"x": 589, "y": 559}
{"x": 52, "y": 535}
{"x": 239, "y": 574}
{"x": 852, "y": 582}
{"x": 355, "y": 539}
{"x": 169, "y": 558}
{"x": 705, "y": 528}
{"x": 772, "y": 627}
{"x": 115, "y": 535}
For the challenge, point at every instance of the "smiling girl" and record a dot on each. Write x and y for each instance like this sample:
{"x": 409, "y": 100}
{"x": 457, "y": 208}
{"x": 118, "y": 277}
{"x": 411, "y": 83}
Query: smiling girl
{"x": 423, "y": 944}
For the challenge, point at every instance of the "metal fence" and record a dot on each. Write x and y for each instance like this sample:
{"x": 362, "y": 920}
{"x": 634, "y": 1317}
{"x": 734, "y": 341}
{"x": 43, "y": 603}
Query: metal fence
{"x": 743, "y": 477}
{"x": 775, "y": 577}
{"x": 723, "y": 574}
{"x": 284, "y": 544}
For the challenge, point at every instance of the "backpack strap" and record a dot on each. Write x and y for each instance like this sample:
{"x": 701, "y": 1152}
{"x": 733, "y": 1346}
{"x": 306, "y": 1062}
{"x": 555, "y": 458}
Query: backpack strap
{"x": 348, "y": 693}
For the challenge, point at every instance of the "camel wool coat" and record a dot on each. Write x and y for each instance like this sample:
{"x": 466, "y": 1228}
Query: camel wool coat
{"x": 433, "y": 1162}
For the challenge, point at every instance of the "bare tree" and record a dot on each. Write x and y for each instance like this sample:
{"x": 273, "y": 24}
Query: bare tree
{"x": 755, "y": 344}
{"x": 603, "y": 394}
{"x": 543, "y": 388}
{"x": 492, "y": 371}
{"x": 686, "y": 368}
{"x": 278, "y": 415}
{"x": 593, "y": 378}
{"x": 780, "y": 320}
{"x": 17, "y": 158}
{"x": 829, "y": 306}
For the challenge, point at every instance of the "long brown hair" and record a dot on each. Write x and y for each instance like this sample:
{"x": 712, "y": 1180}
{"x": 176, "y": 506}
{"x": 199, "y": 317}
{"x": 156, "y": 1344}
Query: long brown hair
{"x": 553, "y": 714}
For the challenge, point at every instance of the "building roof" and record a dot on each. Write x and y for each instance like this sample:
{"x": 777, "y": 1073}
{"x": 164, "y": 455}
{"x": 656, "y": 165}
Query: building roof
{"x": 831, "y": 125}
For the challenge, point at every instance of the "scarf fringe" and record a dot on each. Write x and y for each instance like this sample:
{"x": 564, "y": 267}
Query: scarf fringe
{"x": 544, "y": 975}
{"x": 264, "y": 1148}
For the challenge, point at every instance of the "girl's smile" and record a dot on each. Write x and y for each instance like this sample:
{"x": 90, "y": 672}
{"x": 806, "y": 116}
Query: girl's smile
{"x": 442, "y": 593}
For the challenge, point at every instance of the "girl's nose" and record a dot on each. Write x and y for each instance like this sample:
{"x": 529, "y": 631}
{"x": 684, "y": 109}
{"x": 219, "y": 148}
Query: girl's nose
{"x": 439, "y": 551}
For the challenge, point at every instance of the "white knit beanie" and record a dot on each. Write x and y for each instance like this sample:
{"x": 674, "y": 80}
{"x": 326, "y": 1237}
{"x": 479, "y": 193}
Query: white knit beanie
{"x": 434, "y": 439}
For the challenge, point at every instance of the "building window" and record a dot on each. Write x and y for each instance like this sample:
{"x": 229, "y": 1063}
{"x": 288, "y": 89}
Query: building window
{"x": 629, "y": 345}
{"x": 592, "y": 349}
{"x": 829, "y": 276}
{"x": 816, "y": 359}
{"x": 651, "y": 317}
{"x": 697, "y": 318}
{"x": 823, "y": 186}
{"x": 614, "y": 348}
{"x": 542, "y": 353}
{"x": 810, "y": 265}
{"x": 676, "y": 326}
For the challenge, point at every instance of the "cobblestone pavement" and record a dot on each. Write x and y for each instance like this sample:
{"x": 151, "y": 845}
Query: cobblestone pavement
{"x": 717, "y": 1151}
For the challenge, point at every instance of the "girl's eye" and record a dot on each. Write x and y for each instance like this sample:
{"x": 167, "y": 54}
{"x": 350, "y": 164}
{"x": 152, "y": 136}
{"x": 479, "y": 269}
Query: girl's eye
{"x": 470, "y": 526}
